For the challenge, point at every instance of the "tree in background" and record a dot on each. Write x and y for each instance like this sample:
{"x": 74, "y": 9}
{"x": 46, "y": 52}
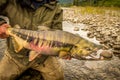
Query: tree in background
{"x": 75, "y": 2}
{"x": 107, "y": 3}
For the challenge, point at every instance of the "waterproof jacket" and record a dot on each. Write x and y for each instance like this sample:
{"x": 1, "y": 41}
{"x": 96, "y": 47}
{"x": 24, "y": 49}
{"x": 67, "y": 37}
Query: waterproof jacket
{"x": 49, "y": 15}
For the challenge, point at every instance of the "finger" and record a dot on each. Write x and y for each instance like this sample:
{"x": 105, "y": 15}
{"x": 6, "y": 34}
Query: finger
{"x": 68, "y": 57}
{"x": 5, "y": 25}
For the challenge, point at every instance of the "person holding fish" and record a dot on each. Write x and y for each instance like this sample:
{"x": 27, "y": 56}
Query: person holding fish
{"x": 29, "y": 15}
{"x": 33, "y": 29}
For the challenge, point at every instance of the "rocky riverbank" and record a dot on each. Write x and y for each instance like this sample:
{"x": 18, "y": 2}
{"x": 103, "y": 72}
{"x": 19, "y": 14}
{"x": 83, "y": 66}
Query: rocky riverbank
{"x": 105, "y": 27}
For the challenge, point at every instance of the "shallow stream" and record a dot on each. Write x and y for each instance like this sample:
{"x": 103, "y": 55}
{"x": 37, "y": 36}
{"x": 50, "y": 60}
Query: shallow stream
{"x": 69, "y": 27}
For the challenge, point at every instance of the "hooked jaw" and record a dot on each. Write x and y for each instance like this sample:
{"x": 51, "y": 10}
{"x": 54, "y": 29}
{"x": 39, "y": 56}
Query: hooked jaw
{"x": 84, "y": 48}
{"x": 96, "y": 52}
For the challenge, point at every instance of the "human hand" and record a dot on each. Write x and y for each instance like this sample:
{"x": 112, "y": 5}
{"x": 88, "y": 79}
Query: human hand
{"x": 3, "y": 29}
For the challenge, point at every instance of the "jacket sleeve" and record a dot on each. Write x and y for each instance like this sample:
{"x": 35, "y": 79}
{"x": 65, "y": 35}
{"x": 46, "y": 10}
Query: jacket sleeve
{"x": 2, "y": 21}
{"x": 57, "y": 21}
{"x": 2, "y": 5}
{"x": 2, "y": 2}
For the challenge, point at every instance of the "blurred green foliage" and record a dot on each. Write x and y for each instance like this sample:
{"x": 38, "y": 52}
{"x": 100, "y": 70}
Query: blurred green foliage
{"x": 109, "y": 11}
{"x": 106, "y": 3}
{"x": 110, "y": 3}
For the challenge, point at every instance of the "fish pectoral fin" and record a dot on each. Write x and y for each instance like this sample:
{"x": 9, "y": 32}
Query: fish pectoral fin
{"x": 33, "y": 55}
{"x": 63, "y": 53}
{"x": 17, "y": 45}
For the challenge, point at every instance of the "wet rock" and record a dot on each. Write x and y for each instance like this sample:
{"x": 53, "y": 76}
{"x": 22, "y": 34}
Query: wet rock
{"x": 76, "y": 28}
{"x": 116, "y": 47}
{"x": 90, "y": 35}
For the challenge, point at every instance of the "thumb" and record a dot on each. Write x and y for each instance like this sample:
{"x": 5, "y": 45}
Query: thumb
{"x": 3, "y": 28}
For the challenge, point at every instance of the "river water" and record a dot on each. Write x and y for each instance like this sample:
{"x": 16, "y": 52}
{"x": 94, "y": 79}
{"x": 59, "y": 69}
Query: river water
{"x": 69, "y": 27}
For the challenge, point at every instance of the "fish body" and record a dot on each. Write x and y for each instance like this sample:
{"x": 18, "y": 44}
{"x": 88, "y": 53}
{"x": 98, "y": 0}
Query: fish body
{"x": 51, "y": 42}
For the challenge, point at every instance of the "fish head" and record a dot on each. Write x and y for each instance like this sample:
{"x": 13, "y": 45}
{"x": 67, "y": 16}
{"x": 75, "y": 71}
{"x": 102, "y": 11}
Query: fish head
{"x": 85, "y": 47}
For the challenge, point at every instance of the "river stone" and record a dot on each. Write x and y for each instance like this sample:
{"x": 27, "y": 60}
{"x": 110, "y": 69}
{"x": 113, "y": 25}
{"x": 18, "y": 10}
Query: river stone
{"x": 76, "y": 28}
